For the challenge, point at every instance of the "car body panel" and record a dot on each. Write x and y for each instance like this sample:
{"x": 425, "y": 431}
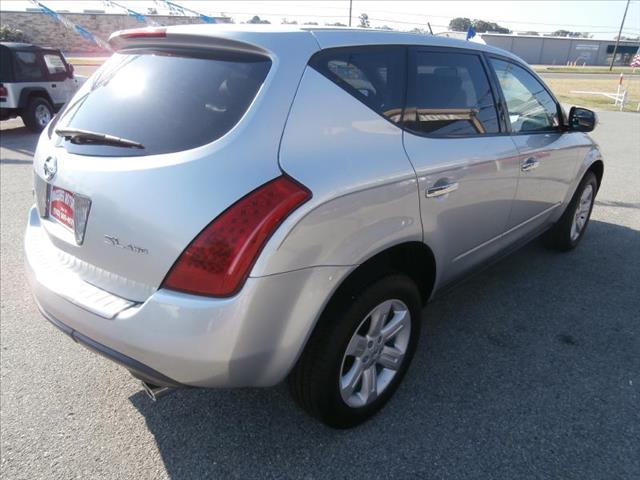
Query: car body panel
{"x": 460, "y": 227}
{"x": 362, "y": 182}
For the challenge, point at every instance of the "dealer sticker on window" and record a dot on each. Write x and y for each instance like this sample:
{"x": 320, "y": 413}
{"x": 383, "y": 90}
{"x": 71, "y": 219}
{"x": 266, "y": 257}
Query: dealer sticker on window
{"x": 61, "y": 206}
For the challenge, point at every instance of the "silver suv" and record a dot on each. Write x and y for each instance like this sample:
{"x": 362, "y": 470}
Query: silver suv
{"x": 35, "y": 83}
{"x": 227, "y": 207}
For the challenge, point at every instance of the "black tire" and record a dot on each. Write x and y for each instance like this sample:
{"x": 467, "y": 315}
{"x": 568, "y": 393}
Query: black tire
{"x": 32, "y": 117}
{"x": 314, "y": 381}
{"x": 560, "y": 236}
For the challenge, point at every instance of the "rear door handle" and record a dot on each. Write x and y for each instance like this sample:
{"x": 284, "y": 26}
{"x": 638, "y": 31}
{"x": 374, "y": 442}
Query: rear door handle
{"x": 529, "y": 164}
{"x": 53, "y": 85}
{"x": 441, "y": 190}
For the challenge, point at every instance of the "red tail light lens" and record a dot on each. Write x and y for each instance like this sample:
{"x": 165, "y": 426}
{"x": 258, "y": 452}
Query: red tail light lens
{"x": 218, "y": 260}
{"x": 144, "y": 33}
{"x": 3, "y": 91}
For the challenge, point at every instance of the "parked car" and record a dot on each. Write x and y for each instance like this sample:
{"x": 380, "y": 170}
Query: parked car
{"x": 35, "y": 83}
{"x": 267, "y": 204}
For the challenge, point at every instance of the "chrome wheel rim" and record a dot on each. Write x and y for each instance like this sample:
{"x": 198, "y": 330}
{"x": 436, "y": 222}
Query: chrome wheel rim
{"x": 43, "y": 115}
{"x": 375, "y": 353}
{"x": 581, "y": 215}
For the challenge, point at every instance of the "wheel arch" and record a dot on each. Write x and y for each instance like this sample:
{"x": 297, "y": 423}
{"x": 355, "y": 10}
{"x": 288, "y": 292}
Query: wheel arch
{"x": 29, "y": 92}
{"x": 414, "y": 259}
{"x": 597, "y": 168}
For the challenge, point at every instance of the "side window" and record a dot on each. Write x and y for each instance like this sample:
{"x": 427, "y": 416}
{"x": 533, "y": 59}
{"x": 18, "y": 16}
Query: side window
{"x": 28, "y": 67}
{"x": 374, "y": 75}
{"x": 55, "y": 66}
{"x": 449, "y": 95}
{"x": 530, "y": 106}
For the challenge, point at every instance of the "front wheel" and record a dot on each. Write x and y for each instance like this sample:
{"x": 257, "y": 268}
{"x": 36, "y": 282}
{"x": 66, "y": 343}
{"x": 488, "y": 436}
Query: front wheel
{"x": 569, "y": 230}
{"x": 359, "y": 353}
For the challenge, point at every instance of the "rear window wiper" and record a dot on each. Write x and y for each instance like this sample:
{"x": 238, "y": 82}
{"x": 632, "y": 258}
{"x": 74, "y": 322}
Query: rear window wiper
{"x": 79, "y": 136}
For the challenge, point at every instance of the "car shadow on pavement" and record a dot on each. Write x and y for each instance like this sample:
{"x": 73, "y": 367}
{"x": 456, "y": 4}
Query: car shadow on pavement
{"x": 19, "y": 141}
{"x": 529, "y": 369}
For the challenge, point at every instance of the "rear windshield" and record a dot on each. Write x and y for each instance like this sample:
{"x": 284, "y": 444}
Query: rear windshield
{"x": 166, "y": 101}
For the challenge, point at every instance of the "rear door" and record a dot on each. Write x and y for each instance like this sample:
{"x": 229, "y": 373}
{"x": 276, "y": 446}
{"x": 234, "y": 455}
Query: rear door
{"x": 548, "y": 160}
{"x": 465, "y": 161}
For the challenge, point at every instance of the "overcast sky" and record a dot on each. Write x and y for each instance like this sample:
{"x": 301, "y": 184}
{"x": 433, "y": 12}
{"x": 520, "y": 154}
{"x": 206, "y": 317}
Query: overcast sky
{"x": 602, "y": 18}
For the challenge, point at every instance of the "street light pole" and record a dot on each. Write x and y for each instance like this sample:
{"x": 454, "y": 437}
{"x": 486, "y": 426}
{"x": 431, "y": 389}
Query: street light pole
{"x": 615, "y": 49}
{"x": 350, "y": 8}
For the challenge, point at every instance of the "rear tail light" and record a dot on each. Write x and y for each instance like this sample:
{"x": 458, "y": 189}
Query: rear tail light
{"x": 144, "y": 33}
{"x": 3, "y": 91}
{"x": 218, "y": 260}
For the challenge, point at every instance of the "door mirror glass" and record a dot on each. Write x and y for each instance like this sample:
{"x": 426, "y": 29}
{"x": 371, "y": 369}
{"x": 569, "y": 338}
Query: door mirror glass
{"x": 582, "y": 119}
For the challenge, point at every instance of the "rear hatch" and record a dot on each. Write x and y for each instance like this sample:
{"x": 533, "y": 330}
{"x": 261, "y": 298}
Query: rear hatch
{"x": 155, "y": 145}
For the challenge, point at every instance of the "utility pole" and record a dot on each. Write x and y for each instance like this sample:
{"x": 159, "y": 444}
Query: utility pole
{"x": 615, "y": 49}
{"x": 351, "y": 8}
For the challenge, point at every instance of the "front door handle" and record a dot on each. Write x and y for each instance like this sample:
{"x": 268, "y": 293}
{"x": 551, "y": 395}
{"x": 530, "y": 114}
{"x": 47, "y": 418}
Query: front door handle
{"x": 441, "y": 190}
{"x": 529, "y": 164}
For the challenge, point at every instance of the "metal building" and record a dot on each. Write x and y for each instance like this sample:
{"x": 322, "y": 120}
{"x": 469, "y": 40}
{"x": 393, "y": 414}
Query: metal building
{"x": 542, "y": 50}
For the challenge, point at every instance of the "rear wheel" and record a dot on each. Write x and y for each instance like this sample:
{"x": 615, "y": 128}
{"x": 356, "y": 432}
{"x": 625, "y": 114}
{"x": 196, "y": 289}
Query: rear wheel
{"x": 38, "y": 114}
{"x": 569, "y": 230}
{"x": 359, "y": 353}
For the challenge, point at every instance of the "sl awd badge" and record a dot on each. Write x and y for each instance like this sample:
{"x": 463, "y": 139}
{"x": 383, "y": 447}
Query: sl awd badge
{"x": 115, "y": 242}
{"x": 50, "y": 168}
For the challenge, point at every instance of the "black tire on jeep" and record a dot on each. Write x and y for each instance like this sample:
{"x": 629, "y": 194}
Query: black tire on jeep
{"x": 37, "y": 114}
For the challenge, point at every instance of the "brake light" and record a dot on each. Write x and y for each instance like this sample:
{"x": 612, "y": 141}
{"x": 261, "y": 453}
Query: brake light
{"x": 218, "y": 260}
{"x": 3, "y": 91}
{"x": 144, "y": 33}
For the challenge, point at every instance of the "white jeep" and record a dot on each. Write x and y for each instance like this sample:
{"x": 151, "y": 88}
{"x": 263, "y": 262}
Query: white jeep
{"x": 35, "y": 83}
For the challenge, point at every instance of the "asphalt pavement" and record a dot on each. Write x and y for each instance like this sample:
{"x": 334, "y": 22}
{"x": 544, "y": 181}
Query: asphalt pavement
{"x": 530, "y": 369}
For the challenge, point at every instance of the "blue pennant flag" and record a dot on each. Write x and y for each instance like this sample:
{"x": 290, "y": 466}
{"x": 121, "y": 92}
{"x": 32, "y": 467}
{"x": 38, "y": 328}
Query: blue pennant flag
{"x": 84, "y": 33}
{"x": 207, "y": 18}
{"x": 471, "y": 33}
{"x": 137, "y": 16}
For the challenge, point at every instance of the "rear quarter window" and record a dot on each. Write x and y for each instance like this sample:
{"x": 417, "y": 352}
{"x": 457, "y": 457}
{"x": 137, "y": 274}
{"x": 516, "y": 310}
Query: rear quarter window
{"x": 374, "y": 75}
{"x": 167, "y": 101}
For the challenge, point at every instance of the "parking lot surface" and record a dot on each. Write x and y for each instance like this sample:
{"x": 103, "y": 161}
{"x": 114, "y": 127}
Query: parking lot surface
{"x": 530, "y": 369}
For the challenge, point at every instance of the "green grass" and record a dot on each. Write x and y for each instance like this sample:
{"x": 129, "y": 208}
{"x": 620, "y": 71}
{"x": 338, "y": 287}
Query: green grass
{"x": 563, "y": 88}
{"x": 588, "y": 69}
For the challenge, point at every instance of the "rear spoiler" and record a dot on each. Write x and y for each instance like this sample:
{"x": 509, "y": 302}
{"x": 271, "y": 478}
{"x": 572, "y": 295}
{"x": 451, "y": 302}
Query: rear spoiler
{"x": 157, "y": 37}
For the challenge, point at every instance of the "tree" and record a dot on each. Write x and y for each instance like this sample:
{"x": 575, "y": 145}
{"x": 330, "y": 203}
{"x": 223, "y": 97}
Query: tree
{"x": 531, "y": 32}
{"x": 364, "y": 20}
{"x": 384, "y": 27}
{"x": 10, "y": 34}
{"x": 337, "y": 24}
{"x": 289, "y": 22}
{"x": 420, "y": 31}
{"x": 482, "y": 26}
{"x": 567, "y": 33}
{"x": 257, "y": 19}
{"x": 623, "y": 37}
{"x": 460, "y": 24}
{"x": 310, "y": 23}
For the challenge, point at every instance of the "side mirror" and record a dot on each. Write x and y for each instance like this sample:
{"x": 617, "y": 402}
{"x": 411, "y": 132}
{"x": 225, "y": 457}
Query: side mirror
{"x": 71, "y": 70}
{"x": 582, "y": 120}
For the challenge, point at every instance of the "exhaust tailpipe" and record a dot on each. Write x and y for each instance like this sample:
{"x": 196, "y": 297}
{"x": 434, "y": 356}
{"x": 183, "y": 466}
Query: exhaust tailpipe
{"x": 154, "y": 392}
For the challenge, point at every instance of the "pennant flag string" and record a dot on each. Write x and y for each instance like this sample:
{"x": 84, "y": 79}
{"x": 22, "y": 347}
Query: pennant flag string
{"x": 138, "y": 16}
{"x": 174, "y": 7}
{"x": 83, "y": 32}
